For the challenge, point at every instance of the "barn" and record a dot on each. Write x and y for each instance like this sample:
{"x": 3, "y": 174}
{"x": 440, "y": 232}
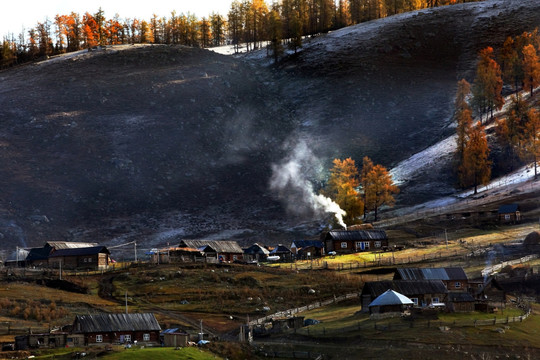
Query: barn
{"x": 215, "y": 250}
{"x": 454, "y": 278}
{"x": 88, "y": 258}
{"x": 117, "y": 328}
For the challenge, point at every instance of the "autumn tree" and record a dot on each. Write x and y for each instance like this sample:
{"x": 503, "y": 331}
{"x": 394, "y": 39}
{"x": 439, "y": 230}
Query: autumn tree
{"x": 463, "y": 115}
{"x": 342, "y": 188}
{"x": 236, "y": 28}
{"x": 487, "y": 88}
{"x": 511, "y": 63}
{"x": 217, "y": 28}
{"x": 367, "y": 166}
{"x": 531, "y": 68}
{"x": 380, "y": 190}
{"x": 476, "y": 167}
{"x": 274, "y": 31}
{"x": 531, "y": 139}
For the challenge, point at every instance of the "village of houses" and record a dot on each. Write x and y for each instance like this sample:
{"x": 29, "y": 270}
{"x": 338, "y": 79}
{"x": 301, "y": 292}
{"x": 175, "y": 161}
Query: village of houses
{"x": 412, "y": 289}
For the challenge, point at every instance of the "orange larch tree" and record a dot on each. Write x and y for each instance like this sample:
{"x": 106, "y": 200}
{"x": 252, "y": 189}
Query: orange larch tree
{"x": 487, "y": 88}
{"x": 476, "y": 167}
{"x": 531, "y": 139}
{"x": 380, "y": 190}
{"x": 531, "y": 68}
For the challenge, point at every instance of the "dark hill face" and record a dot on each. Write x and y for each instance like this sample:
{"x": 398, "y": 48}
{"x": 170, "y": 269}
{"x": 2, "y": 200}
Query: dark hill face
{"x": 154, "y": 142}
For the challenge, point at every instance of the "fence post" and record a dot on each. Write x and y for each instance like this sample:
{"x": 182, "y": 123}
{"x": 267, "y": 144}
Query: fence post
{"x": 474, "y": 322}
{"x": 494, "y": 320}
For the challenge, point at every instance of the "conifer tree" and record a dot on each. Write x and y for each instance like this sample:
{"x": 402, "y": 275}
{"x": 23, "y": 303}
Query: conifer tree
{"x": 487, "y": 88}
{"x": 531, "y": 139}
{"x": 342, "y": 188}
{"x": 274, "y": 31}
{"x": 476, "y": 167}
{"x": 380, "y": 190}
{"x": 531, "y": 68}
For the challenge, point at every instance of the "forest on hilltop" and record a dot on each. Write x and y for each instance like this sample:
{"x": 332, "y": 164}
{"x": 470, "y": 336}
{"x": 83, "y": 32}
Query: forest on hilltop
{"x": 250, "y": 22}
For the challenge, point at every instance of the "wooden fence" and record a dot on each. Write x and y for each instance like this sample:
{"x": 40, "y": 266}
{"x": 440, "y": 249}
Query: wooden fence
{"x": 411, "y": 323}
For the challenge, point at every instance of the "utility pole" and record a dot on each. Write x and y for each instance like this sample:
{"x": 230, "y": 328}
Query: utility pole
{"x": 17, "y": 256}
{"x": 60, "y": 272}
{"x": 126, "y": 303}
{"x": 135, "y": 243}
{"x": 446, "y": 237}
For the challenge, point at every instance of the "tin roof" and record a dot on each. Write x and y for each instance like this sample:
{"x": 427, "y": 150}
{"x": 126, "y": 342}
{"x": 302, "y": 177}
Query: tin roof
{"x": 220, "y": 246}
{"x": 406, "y": 287}
{"x": 115, "y": 322}
{"x": 80, "y": 251}
{"x": 447, "y": 274}
{"x": 391, "y": 297}
{"x": 355, "y": 235}
{"x": 69, "y": 244}
{"x": 256, "y": 249}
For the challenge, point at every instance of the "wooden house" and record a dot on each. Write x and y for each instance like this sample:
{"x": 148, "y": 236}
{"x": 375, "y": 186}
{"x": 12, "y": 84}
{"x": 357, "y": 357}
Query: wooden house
{"x": 454, "y": 278}
{"x": 307, "y": 249}
{"x": 352, "y": 241}
{"x": 509, "y": 213}
{"x": 421, "y": 292}
{"x": 40, "y": 256}
{"x": 215, "y": 250}
{"x": 117, "y": 328}
{"x": 89, "y": 258}
{"x": 460, "y": 302}
{"x": 256, "y": 252}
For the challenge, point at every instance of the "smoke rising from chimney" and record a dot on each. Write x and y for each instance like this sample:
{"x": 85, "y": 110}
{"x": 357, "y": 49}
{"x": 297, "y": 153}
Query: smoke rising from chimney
{"x": 290, "y": 180}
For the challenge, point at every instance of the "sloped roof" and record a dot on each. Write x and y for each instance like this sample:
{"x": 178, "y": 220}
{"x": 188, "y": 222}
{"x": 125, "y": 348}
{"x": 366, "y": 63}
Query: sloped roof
{"x": 391, "y": 297}
{"x": 356, "y": 235}
{"x": 69, "y": 244}
{"x": 508, "y": 208}
{"x": 38, "y": 254}
{"x": 115, "y": 322}
{"x": 256, "y": 249}
{"x": 406, "y": 287}
{"x": 450, "y": 273}
{"x": 280, "y": 249}
{"x": 80, "y": 251}
{"x": 305, "y": 243}
{"x": 220, "y": 246}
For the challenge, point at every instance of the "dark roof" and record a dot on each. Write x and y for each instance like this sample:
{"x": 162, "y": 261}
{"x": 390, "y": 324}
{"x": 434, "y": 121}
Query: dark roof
{"x": 220, "y": 246}
{"x": 280, "y": 249}
{"x": 455, "y": 273}
{"x": 36, "y": 254}
{"x": 306, "y": 243}
{"x": 355, "y": 235}
{"x": 80, "y": 251}
{"x": 115, "y": 322}
{"x": 256, "y": 249}
{"x": 460, "y": 297}
{"x": 508, "y": 208}
{"x": 405, "y": 287}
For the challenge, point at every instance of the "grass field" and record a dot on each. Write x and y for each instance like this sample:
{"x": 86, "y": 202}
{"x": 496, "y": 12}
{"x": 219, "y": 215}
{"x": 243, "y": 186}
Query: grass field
{"x": 188, "y": 353}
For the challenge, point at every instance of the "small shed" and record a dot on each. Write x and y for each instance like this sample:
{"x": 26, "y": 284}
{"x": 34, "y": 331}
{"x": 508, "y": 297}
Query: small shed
{"x": 460, "y": 302}
{"x": 174, "y": 338}
{"x": 307, "y": 249}
{"x": 216, "y": 250}
{"x": 256, "y": 252}
{"x": 509, "y": 213}
{"x": 390, "y": 301}
{"x": 282, "y": 251}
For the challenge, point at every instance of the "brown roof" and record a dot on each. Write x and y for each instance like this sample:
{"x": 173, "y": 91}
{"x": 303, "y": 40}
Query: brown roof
{"x": 220, "y": 246}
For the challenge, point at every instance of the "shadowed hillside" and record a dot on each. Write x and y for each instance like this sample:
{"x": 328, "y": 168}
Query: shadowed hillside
{"x": 157, "y": 142}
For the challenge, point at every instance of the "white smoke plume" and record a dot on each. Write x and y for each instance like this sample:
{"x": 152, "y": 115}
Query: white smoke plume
{"x": 290, "y": 179}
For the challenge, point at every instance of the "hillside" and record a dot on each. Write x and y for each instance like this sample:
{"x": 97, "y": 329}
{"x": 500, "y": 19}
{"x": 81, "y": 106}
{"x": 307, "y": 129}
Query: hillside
{"x": 156, "y": 142}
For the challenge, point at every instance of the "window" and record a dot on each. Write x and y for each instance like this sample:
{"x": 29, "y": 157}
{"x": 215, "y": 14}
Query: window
{"x": 235, "y": 257}
{"x": 127, "y": 338}
{"x": 89, "y": 259}
{"x": 435, "y": 300}
{"x": 99, "y": 338}
{"x": 344, "y": 245}
{"x": 85, "y": 260}
{"x": 506, "y": 216}
{"x": 366, "y": 244}
{"x": 415, "y": 301}
{"x": 358, "y": 244}
{"x": 146, "y": 337}
{"x": 457, "y": 285}
{"x": 378, "y": 244}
